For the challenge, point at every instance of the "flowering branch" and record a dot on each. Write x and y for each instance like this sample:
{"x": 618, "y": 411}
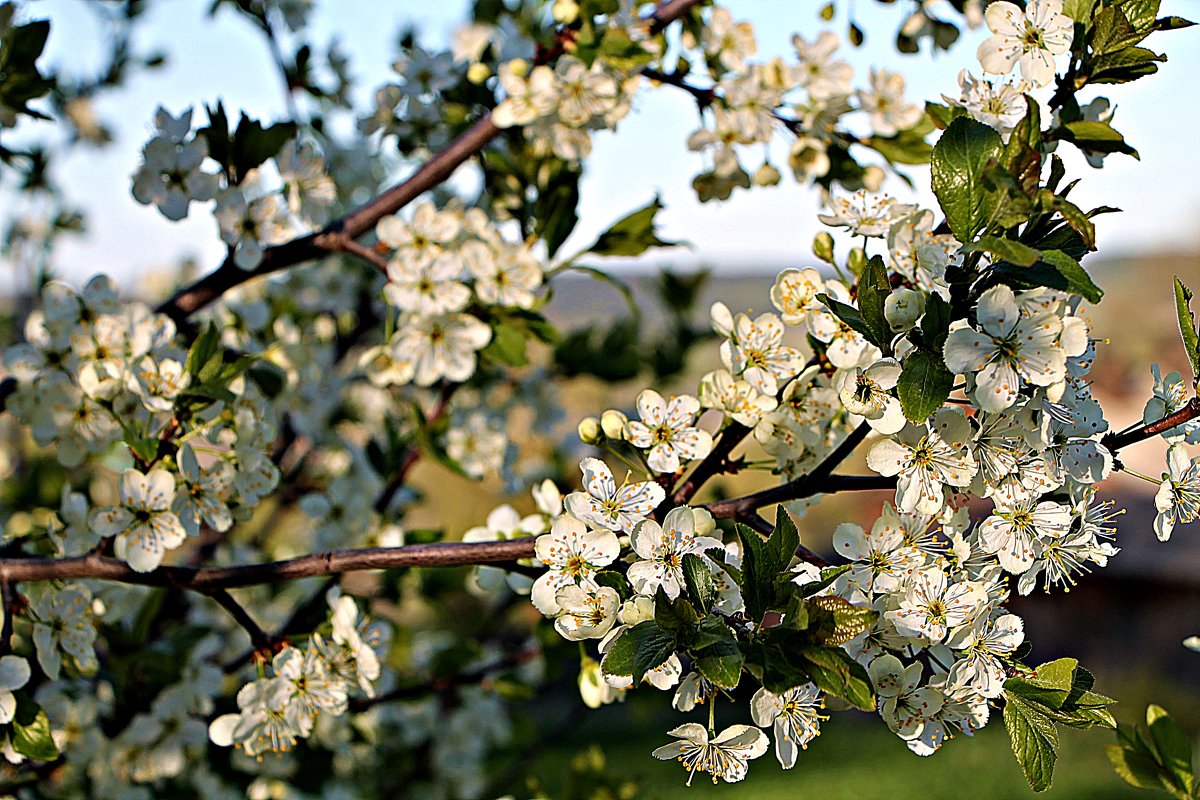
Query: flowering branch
{"x": 339, "y": 234}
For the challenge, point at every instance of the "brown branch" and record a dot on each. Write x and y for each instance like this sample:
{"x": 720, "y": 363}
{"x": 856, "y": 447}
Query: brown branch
{"x": 210, "y": 579}
{"x": 820, "y": 481}
{"x": 440, "y": 685}
{"x": 716, "y": 462}
{"x": 259, "y": 639}
{"x": 1115, "y": 441}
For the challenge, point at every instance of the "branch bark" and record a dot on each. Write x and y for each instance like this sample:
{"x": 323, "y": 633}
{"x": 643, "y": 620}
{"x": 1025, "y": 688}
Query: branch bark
{"x": 208, "y": 580}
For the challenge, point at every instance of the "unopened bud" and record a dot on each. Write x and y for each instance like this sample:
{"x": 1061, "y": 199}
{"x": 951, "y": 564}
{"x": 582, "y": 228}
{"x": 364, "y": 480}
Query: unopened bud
{"x": 872, "y": 178}
{"x": 903, "y": 308}
{"x": 565, "y": 11}
{"x": 589, "y": 431}
{"x": 478, "y": 73}
{"x": 613, "y": 423}
{"x": 705, "y": 524}
{"x": 519, "y": 67}
{"x": 856, "y": 260}
{"x": 766, "y": 175}
{"x": 823, "y": 247}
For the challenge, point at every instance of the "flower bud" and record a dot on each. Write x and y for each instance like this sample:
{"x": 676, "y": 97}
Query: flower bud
{"x": 478, "y": 73}
{"x": 636, "y": 609}
{"x": 613, "y": 423}
{"x": 565, "y": 11}
{"x": 589, "y": 431}
{"x": 823, "y": 247}
{"x": 872, "y": 178}
{"x": 519, "y": 67}
{"x": 766, "y": 175}
{"x": 902, "y": 308}
{"x": 856, "y": 260}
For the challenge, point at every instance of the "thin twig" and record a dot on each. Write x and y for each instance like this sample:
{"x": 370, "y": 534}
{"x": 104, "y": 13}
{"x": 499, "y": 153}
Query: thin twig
{"x": 259, "y": 639}
{"x": 439, "y": 685}
{"x": 1115, "y": 442}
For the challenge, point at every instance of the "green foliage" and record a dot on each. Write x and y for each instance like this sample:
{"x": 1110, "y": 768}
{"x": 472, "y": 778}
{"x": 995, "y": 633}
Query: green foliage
{"x": 1158, "y": 757}
{"x": 960, "y": 158}
{"x": 873, "y": 289}
{"x": 1058, "y": 692}
{"x": 631, "y": 235}
{"x": 1187, "y": 328}
{"x": 1056, "y": 270}
{"x": 698, "y": 582}
{"x": 31, "y": 731}
{"x": 247, "y": 147}
{"x": 925, "y": 383}
{"x": 20, "y": 48}
{"x": 764, "y": 561}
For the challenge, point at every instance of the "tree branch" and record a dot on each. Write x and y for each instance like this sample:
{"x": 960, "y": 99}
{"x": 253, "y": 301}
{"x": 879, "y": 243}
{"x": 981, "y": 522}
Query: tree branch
{"x": 259, "y": 639}
{"x": 439, "y": 685}
{"x": 210, "y": 579}
{"x": 1115, "y": 441}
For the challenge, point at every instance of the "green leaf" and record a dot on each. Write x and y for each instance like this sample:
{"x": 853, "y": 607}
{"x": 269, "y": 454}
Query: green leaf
{"x": 924, "y": 385}
{"x": 1135, "y": 768}
{"x": 1112, "y": 31}
{"x": 842, "y": 620}
{"x": 783, "y": 541}
{"x": 671, "y": 615}
{"x": 935, "y": 322}
{"x": 711, "y": 630}
{"x": 1034, "y": 741}
{"x": 1173, "y": 745}
{"x": 634, "y": 648}
{"x": 848, "y": 314}
{"x": 31, "y": 731}
{"x": 1125, "y": 65}
{"x": 613, "y": 580}
{"x": 1187, "y": 328}
{"x": 204, "y": 350}
{"x": 873, "y": 290}
{"x": 941, "y": 115}
{"x": 1097, "y": 137}
{"x": 632, "y": 235}
{"x": 507, "y": 345}
{"x": 906, "y": 147}
{"x": 1056, "y": 270}
{"x": 697, "y": 579}
{"x": 721, "y": 663}
{"x": 836, "y": 673}
{"x": 557, "y": 212}
{"x": 1009, "y": 250}
{"x": 654, "y": 647}
{"x": 145, "y": 448}
{"x": 960, "y": 157}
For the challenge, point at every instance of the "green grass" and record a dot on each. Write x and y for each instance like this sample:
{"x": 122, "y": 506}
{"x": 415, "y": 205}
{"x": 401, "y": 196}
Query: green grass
{"x": 854, "y": 759}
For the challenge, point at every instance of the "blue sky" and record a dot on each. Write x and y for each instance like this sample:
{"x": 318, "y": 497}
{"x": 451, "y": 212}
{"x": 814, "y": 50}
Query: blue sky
{"x": 224, "y": 58}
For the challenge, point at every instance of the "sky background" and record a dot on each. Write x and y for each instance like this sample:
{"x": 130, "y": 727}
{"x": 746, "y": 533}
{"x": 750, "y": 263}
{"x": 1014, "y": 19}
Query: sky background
{"x": 223, "y": 57}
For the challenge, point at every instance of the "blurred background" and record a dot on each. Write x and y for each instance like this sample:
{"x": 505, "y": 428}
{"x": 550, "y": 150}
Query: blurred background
{"x": 1125, "y": 623}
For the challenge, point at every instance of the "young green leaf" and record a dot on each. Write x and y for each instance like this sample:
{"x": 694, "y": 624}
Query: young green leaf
{"x": 697, "y": 579}
{"x": 31, "y": 731}
{"x": 959, "y": 160}
{"x": 631, "y": 235}
{"x": 1034, "y": 741}
{"x": 924, "y": 385}
{"x": 1187, "y": 328}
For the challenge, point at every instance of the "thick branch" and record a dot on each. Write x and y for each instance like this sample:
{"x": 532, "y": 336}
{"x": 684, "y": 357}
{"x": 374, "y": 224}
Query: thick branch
{"x": 210, "y": 579}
